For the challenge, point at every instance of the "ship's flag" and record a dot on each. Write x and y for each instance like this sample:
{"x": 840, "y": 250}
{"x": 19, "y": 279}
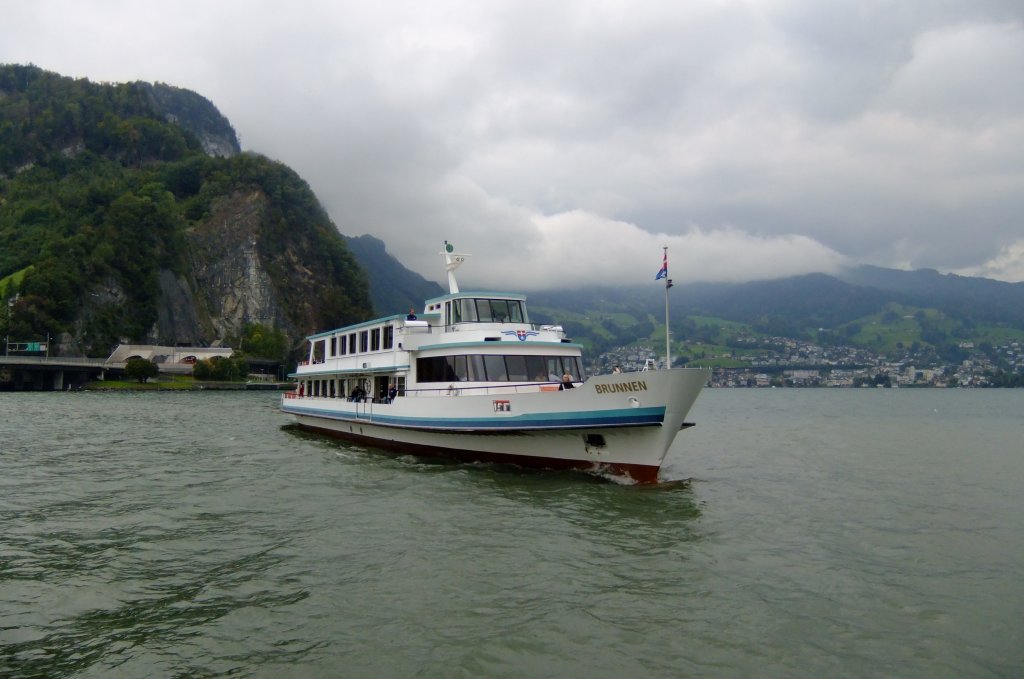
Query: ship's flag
{"x": 664, "y": 268}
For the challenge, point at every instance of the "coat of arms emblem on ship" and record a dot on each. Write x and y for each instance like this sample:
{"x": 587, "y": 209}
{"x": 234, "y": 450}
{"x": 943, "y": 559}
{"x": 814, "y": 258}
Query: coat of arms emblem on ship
{"x": 521, "y": 335}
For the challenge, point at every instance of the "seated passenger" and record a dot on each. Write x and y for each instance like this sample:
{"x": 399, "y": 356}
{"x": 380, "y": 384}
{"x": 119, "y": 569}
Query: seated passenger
{"x": 566, "y": 382}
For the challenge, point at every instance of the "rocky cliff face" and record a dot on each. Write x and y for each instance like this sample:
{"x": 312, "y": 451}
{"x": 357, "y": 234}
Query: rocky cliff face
{"x": 232, "y": 286}
{"x": 128, "y": 214}
{"x": 229, "y": 283}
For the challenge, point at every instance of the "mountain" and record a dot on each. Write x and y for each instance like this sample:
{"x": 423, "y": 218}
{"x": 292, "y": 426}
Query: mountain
{"x": 949, "y": 309}
{"x": 869, "y": 307}
{"x": 393, "y": 288}
{"x": 980, "y": 299}
{"x": 127, "y": 214}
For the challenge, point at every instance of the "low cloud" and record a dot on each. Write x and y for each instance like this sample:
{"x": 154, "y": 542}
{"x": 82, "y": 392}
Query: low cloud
{"x": 1008, "y": 265}
{"x": 576, "y": 248}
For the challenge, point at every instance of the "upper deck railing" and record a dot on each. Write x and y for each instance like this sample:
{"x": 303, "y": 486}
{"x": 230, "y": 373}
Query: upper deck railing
{"x": 453, "y": 389}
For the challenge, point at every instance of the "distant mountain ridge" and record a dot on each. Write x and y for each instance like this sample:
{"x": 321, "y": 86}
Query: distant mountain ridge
{"x": 393, "y": 288}
{"x": 792, "y": 306}
{"x": 815, "y": 299}
{"x": 981, "y": 299}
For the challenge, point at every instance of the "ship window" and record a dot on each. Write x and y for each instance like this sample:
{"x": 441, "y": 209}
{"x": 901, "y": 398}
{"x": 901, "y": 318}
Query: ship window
{"x": 364, "y": 337}
{"x": 483, "y": 310}
{"x": 423, "y": 370}
{"x": 343, "y": 348}
{"x": 495, "y": 366}
{"x": 475, "y": 366}
{"x": 502, "y": 310}
{"x": 389, "y": 336}
{"x": 352, "y": 343}
{"x": 557, "y": 365}
{"x": 536, "y": 371}
{"x": 456, "y": 369}
{"x": 554, "y": 368}
{"x": 469, "y": 310}
{"x": 457, "y": 311}
{"x": 375, "y": 339}
{"x": 516, "y": 368}
{"x": 571, "y": 365}
{"x": 334, "y": 346}
{"x": 429, "y": 370}
{"x": 499, "y": 310}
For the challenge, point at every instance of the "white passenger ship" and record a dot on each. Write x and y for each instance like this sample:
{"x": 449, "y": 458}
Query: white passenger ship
{"x": 471, "y": 378}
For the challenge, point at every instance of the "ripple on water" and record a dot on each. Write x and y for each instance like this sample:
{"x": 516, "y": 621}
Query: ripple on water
{"x": 822, "y": 534}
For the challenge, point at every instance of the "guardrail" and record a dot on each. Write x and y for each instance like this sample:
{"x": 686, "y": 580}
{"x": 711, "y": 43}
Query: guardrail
{"x": 55, "y": 361}
{"x": 453, "y": 390}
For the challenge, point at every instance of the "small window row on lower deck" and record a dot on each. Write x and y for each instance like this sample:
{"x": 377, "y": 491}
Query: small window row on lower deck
{"x": 497, "y": 368}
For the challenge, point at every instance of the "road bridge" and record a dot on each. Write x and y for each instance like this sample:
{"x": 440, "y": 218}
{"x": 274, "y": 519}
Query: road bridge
{"x": 45, "y": 373}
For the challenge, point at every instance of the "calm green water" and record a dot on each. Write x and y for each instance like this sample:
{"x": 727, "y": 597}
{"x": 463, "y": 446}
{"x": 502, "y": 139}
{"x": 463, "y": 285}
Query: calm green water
{"x": 825, "y": 533}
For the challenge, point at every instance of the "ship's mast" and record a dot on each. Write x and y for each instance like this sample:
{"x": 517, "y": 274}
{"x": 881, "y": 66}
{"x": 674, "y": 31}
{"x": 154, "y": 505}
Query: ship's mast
{"x": 668, "y": 284}
{"x": 452, "y": 260}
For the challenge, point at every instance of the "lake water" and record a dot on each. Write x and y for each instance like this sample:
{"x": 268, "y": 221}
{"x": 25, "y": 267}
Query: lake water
{"x": 833, "y": 533}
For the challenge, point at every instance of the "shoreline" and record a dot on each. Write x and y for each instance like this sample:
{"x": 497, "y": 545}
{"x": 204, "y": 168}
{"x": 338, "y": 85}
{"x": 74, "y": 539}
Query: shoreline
{"x": 198, "y": 386}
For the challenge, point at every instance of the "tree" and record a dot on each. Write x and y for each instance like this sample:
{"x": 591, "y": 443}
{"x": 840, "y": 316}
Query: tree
{"x": 221, "y": 369}
{"x": 264, "y": 342}
{"x": 141, "y": 369}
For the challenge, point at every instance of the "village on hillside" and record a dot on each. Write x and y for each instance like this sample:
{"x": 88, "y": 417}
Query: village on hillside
{"x": 786, "y": 362}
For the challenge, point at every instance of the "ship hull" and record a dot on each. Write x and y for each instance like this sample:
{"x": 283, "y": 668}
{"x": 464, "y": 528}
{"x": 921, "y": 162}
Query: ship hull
{"x": 621, "y": 425}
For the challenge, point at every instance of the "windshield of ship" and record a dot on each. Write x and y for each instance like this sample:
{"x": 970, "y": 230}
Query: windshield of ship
{"x": 488, "y": 311}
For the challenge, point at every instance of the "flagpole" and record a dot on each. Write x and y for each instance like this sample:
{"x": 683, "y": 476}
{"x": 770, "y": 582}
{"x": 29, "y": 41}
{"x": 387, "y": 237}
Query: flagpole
{"x": 668, "y": 342}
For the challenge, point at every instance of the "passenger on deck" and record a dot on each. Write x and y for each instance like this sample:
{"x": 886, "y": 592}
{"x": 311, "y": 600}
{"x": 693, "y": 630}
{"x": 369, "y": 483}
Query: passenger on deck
{"x": 412, "y": 315}
{"x": 358, "y": 395}
{"x": 566, "y": 382}
{"x": 392, "y": 392}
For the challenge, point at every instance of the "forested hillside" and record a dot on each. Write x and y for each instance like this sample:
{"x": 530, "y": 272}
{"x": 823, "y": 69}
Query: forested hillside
{"x": 116, "y": 225}
{"x": 867, "y": 307}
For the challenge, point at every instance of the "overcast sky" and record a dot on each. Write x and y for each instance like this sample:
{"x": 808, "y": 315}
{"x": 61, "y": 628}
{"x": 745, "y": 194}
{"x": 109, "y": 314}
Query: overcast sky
{"x": 565, "y": 142}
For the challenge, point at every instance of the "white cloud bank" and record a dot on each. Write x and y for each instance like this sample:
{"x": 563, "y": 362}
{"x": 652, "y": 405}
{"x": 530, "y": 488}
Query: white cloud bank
{"x": 576, "y": 249}
{"x": 1008, "y": 265}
